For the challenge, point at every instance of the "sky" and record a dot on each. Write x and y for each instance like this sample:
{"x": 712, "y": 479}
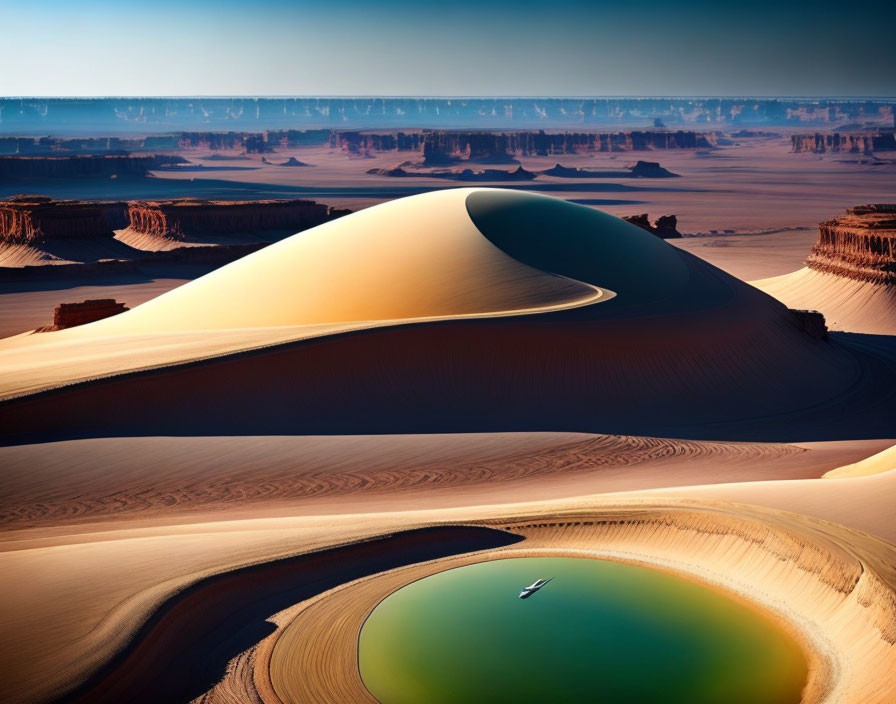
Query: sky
{"x": 461, "y": 48}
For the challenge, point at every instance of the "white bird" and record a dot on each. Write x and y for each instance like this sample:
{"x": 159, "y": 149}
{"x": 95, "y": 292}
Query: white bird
{"x": 534, "y": 587}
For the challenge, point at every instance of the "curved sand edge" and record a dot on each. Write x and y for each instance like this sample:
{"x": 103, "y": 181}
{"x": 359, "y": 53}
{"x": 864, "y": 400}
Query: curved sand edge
{"x": 772, "y": 552}
{"x": 102, "y": 576}
{"x": 847, "y": 304}
{"x": 48, "y": 361}
{"x": 824, "y": 590}
{"x": 883, "y": 461}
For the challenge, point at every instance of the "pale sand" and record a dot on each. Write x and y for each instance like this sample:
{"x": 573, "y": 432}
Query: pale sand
{"x": 137, "y": 568}
{"x": 63, "y": 252}
{"x": 854, "y": 306}
{"x": 128, "y": 482}
{"x": 157, "y": 243}
{"x": 883, "y": 461}
{"x": 834, "y": 594}
{"x": 436, "y": 265}
{"x": 316, "y": 283}
{"x": 675, "y": 337}
{"x": 803, "y": 548}
{"x": 25, "y": 306}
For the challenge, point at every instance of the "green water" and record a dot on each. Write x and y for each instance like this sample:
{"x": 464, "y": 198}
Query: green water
{"x": 600, "y": 632}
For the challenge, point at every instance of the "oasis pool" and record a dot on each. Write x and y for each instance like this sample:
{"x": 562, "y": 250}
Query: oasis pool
{"x": 599, "y": 632}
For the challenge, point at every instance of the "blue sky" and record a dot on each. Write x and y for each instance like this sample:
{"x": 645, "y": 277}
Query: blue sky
{"x": 489, "y": 47}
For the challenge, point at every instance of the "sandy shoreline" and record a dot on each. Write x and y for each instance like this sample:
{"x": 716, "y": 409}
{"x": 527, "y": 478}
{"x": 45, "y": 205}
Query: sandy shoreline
{"x": 695, "y": 539}
{"x": 835, "y": 577}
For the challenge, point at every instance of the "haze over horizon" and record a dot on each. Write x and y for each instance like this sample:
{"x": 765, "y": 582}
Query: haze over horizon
{"x": 493, "y": 48}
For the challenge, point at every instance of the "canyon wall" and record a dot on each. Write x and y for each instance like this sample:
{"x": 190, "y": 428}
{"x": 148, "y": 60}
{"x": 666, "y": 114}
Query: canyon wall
{"x": 29, "y": 219}
{"x": 178, "y": 219}
{"x": 864, "y": 143}
{"x": 442, "y": 147}
{"x": 19, "y": 167}
{"x": 860, "y": 245}
{"x": 33, "y": 219}
{"x": 41, "y": 238}
{"x": 122, "y": 146}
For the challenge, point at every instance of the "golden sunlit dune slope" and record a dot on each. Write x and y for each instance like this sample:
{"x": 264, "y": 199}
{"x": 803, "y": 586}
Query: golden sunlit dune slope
{"x": 847, "y": 304}
{"x": 459, "y": 310}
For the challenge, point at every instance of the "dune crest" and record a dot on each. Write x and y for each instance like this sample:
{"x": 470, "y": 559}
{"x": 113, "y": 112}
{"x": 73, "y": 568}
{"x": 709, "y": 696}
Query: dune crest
{"x": 418, "y": 257}
{"x": 474, "y": 296}
{"x": 883, "y": 461}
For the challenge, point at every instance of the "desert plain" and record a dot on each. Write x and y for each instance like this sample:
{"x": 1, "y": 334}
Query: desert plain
{"x": 203, "y": 498}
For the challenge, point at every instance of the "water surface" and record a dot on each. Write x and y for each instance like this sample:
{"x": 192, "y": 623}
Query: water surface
{"x": 600, "y": 632}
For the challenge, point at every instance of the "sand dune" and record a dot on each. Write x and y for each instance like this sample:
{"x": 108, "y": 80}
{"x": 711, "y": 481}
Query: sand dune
{"x": 419, "y": 257}
{"x": 63, "y": 252}
{"x": 847, "y": 304}
{"x": 139, "y": 559}
{"x": 181, "y": 495}
{"x": 129, "y": 481}
{"x": 157, "y": 243}
{"x": 883, "y": 461}
{"x": 441, "y": 336}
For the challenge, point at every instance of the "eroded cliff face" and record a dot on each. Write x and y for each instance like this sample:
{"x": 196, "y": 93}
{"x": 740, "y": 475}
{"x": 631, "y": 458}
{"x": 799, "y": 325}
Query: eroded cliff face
{"x": 860, "y": 245}
{"x": 445, "y": 147}
{"x": 69, "y": 315}
{"x": 34, "y": 219}
{"x": 863, "y": 143}
{"x": 179, "y": 219}
{"x": 16, "y": 167}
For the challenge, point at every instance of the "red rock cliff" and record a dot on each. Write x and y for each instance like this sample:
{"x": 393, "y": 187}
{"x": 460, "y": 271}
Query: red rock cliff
{"x": 442, "y": 146}
{"x": 32, "y": 219}
{"x": 835, "y": 142}
{"x": 68, "y": 315}
{"x": 859, "y": 245}
{"x": 178, "y": 219}
{"x": 14, "y": 167}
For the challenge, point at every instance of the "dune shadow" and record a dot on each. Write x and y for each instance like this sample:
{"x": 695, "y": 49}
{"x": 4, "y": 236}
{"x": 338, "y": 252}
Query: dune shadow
{"x": 184, "y": 648}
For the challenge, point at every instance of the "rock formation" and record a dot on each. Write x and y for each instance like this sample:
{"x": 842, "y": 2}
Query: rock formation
{"x": 42, "y": 237}
{"x": 750, "y": 134}
{"x": 486, "y": 175}
{"x": 665, "y": 226}
{"x": 68, "y": 315}
{"x": 650, "y": 169}
{"x": 33, "y": 219}
{"x": 641, "y": 169}
{"x": 441, "y": 147}
{"x": 864, "y": 143}
{"x": 19, "y": 167}
{"x": 292, "y": 161}
{"x": 179, "y": 219}
{"x": 860, "y": 245}
{"x": 811, "y": 322}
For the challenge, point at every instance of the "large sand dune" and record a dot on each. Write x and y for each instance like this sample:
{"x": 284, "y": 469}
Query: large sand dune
{"x": 480, "y": 292}
{"x": 237, "y": 560}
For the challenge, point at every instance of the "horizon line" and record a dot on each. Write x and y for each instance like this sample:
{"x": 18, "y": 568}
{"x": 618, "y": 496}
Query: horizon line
{"x": 299, "y": 96}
